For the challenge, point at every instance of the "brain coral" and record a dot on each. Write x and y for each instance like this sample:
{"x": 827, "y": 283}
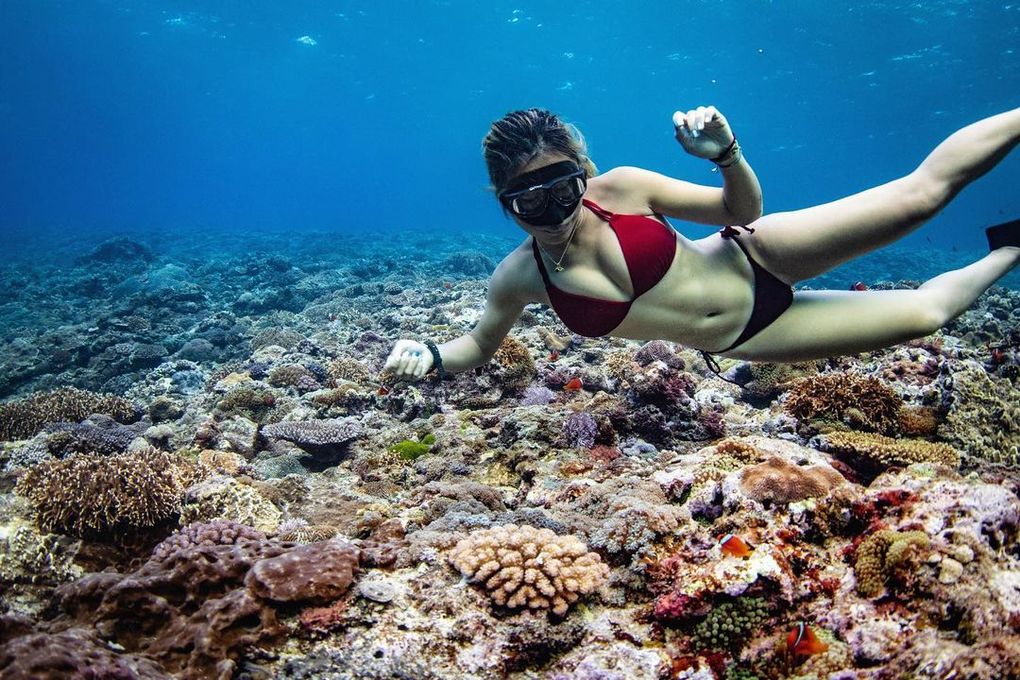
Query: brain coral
{"x": 522, "y": 566}
{"x": 779, "y": 481}
{"x": 887, "y": 451}
{"x": 859, "y": 401}
{"x": 87, "y": 495}
{"x": 24, "y": 418}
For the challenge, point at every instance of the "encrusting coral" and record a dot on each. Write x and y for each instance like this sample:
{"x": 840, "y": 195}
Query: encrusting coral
{"x": 779, "y": 481}
{"x": 87, "y": 495}
{"x": 859, "y": 401}
{"x": 887, "y": 451}
{"x": 521, "y": 566}
{"x": 23, "y": 418}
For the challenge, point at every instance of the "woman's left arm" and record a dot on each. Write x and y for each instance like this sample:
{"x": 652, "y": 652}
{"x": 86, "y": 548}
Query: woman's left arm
{"x": 704, "y": 132}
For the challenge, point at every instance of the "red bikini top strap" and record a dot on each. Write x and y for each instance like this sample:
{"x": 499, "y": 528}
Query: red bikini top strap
{"x": 597, "y": 209}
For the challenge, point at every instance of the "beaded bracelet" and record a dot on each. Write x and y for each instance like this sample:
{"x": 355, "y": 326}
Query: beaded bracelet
{"x": 437, "y": 360}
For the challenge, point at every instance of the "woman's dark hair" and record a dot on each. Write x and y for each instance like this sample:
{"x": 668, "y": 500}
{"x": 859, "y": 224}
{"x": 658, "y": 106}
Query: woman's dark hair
{"x": 516, "y": 138}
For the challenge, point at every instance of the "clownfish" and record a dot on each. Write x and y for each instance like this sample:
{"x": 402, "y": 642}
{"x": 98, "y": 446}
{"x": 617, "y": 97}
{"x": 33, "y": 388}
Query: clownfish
{"x": 574, "y": 385}
{"x": 554, "y": 355}
{"x": 383, "y": 391}
{"x": 734, "y": 546}
{"x": 802, "y": 641}
{"x": 859, "y": 285}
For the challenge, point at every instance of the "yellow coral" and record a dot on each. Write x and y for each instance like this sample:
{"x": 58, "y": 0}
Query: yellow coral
{"x": 522, "y": 566}
{"x": 880, "y": 554}
{"x": 888, "y": 451}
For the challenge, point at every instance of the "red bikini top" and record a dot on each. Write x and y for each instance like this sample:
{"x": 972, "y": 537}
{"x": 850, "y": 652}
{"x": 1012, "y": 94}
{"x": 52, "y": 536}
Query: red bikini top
{"x": 648, "y": 247}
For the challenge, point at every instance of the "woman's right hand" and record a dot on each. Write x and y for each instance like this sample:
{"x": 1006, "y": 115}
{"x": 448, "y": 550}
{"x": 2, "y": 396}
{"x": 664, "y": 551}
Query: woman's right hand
{"x": 409, "y": 360}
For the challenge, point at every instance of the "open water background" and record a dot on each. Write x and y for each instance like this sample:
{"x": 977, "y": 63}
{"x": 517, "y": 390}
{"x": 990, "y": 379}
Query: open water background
{"x": 214, "y": 119}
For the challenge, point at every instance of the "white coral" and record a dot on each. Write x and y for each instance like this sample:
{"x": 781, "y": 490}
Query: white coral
{"x": 522, "y": 566}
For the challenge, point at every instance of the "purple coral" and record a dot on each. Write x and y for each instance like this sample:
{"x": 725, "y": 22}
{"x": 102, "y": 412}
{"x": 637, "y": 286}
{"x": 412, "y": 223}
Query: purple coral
{"x": 537, "y": 395}
{"x": 579, "y": 430}
{"x": 658, "y": 350}
{"x": 219, "y": 532}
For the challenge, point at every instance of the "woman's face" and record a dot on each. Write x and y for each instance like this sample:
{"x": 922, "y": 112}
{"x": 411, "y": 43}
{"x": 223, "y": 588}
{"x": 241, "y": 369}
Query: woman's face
{"x": 550, "y": 234}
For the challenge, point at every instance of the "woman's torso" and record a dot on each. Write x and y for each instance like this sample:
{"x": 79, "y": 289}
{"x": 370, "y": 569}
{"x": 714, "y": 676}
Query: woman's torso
{"x": 703, "y": 300}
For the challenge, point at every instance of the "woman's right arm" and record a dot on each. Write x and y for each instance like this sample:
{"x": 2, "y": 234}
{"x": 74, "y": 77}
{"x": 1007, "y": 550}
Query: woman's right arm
{"x": 504, "y": 302}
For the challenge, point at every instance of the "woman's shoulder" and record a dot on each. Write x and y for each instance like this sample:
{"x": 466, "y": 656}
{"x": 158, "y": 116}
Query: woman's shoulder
{"x": 621, "y": 189}
{"x": 516, "y": 275}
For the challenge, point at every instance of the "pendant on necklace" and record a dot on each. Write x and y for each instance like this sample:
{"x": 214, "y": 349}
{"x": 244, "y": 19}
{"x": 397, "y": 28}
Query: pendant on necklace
{"x": 559, "y": 268}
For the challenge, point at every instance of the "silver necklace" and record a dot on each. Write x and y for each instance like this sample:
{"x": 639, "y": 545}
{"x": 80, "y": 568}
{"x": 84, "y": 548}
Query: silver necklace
{"x": 559, "y": 267}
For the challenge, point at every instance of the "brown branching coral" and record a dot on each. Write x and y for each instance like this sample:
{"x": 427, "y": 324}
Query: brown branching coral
{"x": 521, "y": 566}
{"x": 859, "y": 401}
{"x": 24, "y": 418}
{"x": 886, "y": 451}
{"x": 87, "y": 495}
{"x": 516, "y": 366}
{"x": 779, "y": 481}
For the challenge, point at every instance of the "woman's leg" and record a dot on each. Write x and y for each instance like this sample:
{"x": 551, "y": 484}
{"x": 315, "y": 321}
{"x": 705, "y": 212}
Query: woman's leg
{"x": 805, "y": 243}
{"x": 829, "y": 323}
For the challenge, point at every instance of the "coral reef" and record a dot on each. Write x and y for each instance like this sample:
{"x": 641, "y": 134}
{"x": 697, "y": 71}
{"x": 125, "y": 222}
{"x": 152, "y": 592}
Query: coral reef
{"x": 521, "y": 566}
{"x": 23, "y": 418}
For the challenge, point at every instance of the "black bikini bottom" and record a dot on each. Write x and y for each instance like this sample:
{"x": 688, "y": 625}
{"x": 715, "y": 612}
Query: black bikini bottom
{"x": 772, "y": 297}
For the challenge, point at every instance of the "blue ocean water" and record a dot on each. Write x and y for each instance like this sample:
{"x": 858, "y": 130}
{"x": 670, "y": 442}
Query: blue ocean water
{"x": 160, "y": 117}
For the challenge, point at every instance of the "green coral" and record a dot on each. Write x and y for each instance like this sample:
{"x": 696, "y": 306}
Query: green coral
{"x": 731, "y": 624}
{"x": 410, "y": 449}
{"x": 879, "y": 555}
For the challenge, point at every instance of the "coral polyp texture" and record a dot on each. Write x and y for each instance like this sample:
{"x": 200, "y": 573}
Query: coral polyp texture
{"x": 779, "y": 481}
{"x": 526, "y": 567}
{"x": 90, "y": 495}
{"x": 887, "y": 451}
{"x": 862, "y": 402}
{"x": 23, "y": 418}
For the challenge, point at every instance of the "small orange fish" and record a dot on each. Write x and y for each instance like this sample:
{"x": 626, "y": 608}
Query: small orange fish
{"x": 383, "y": 391}
{"x": 734, "y": 546}
{"x": 859, "y": 285}
{"x": 802, "y": 641}
{"x": 447, "y": 285}
{"x": 554, "y": 355}
{"x": 574, "y": 385}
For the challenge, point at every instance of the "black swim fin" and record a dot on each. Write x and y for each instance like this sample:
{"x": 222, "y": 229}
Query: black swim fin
{"x": 1006, "y": 234}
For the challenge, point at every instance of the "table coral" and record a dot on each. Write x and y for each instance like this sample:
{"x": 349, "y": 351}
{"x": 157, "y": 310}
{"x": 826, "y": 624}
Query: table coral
{"x": 324, "y": 439}
{"x": 88, "y": 495}
{"x": 521, "y": 566}
{"x": 888, "y": 451}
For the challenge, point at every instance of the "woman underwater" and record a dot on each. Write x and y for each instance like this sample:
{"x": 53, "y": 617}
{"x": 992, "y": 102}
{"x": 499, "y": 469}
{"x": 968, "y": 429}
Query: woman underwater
{"x": 601, "y": 255}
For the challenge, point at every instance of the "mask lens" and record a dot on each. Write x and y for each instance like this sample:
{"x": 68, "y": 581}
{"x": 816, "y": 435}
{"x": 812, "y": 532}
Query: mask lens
{"x": 566, "y": 190}
{"x": 530, "y": 202}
